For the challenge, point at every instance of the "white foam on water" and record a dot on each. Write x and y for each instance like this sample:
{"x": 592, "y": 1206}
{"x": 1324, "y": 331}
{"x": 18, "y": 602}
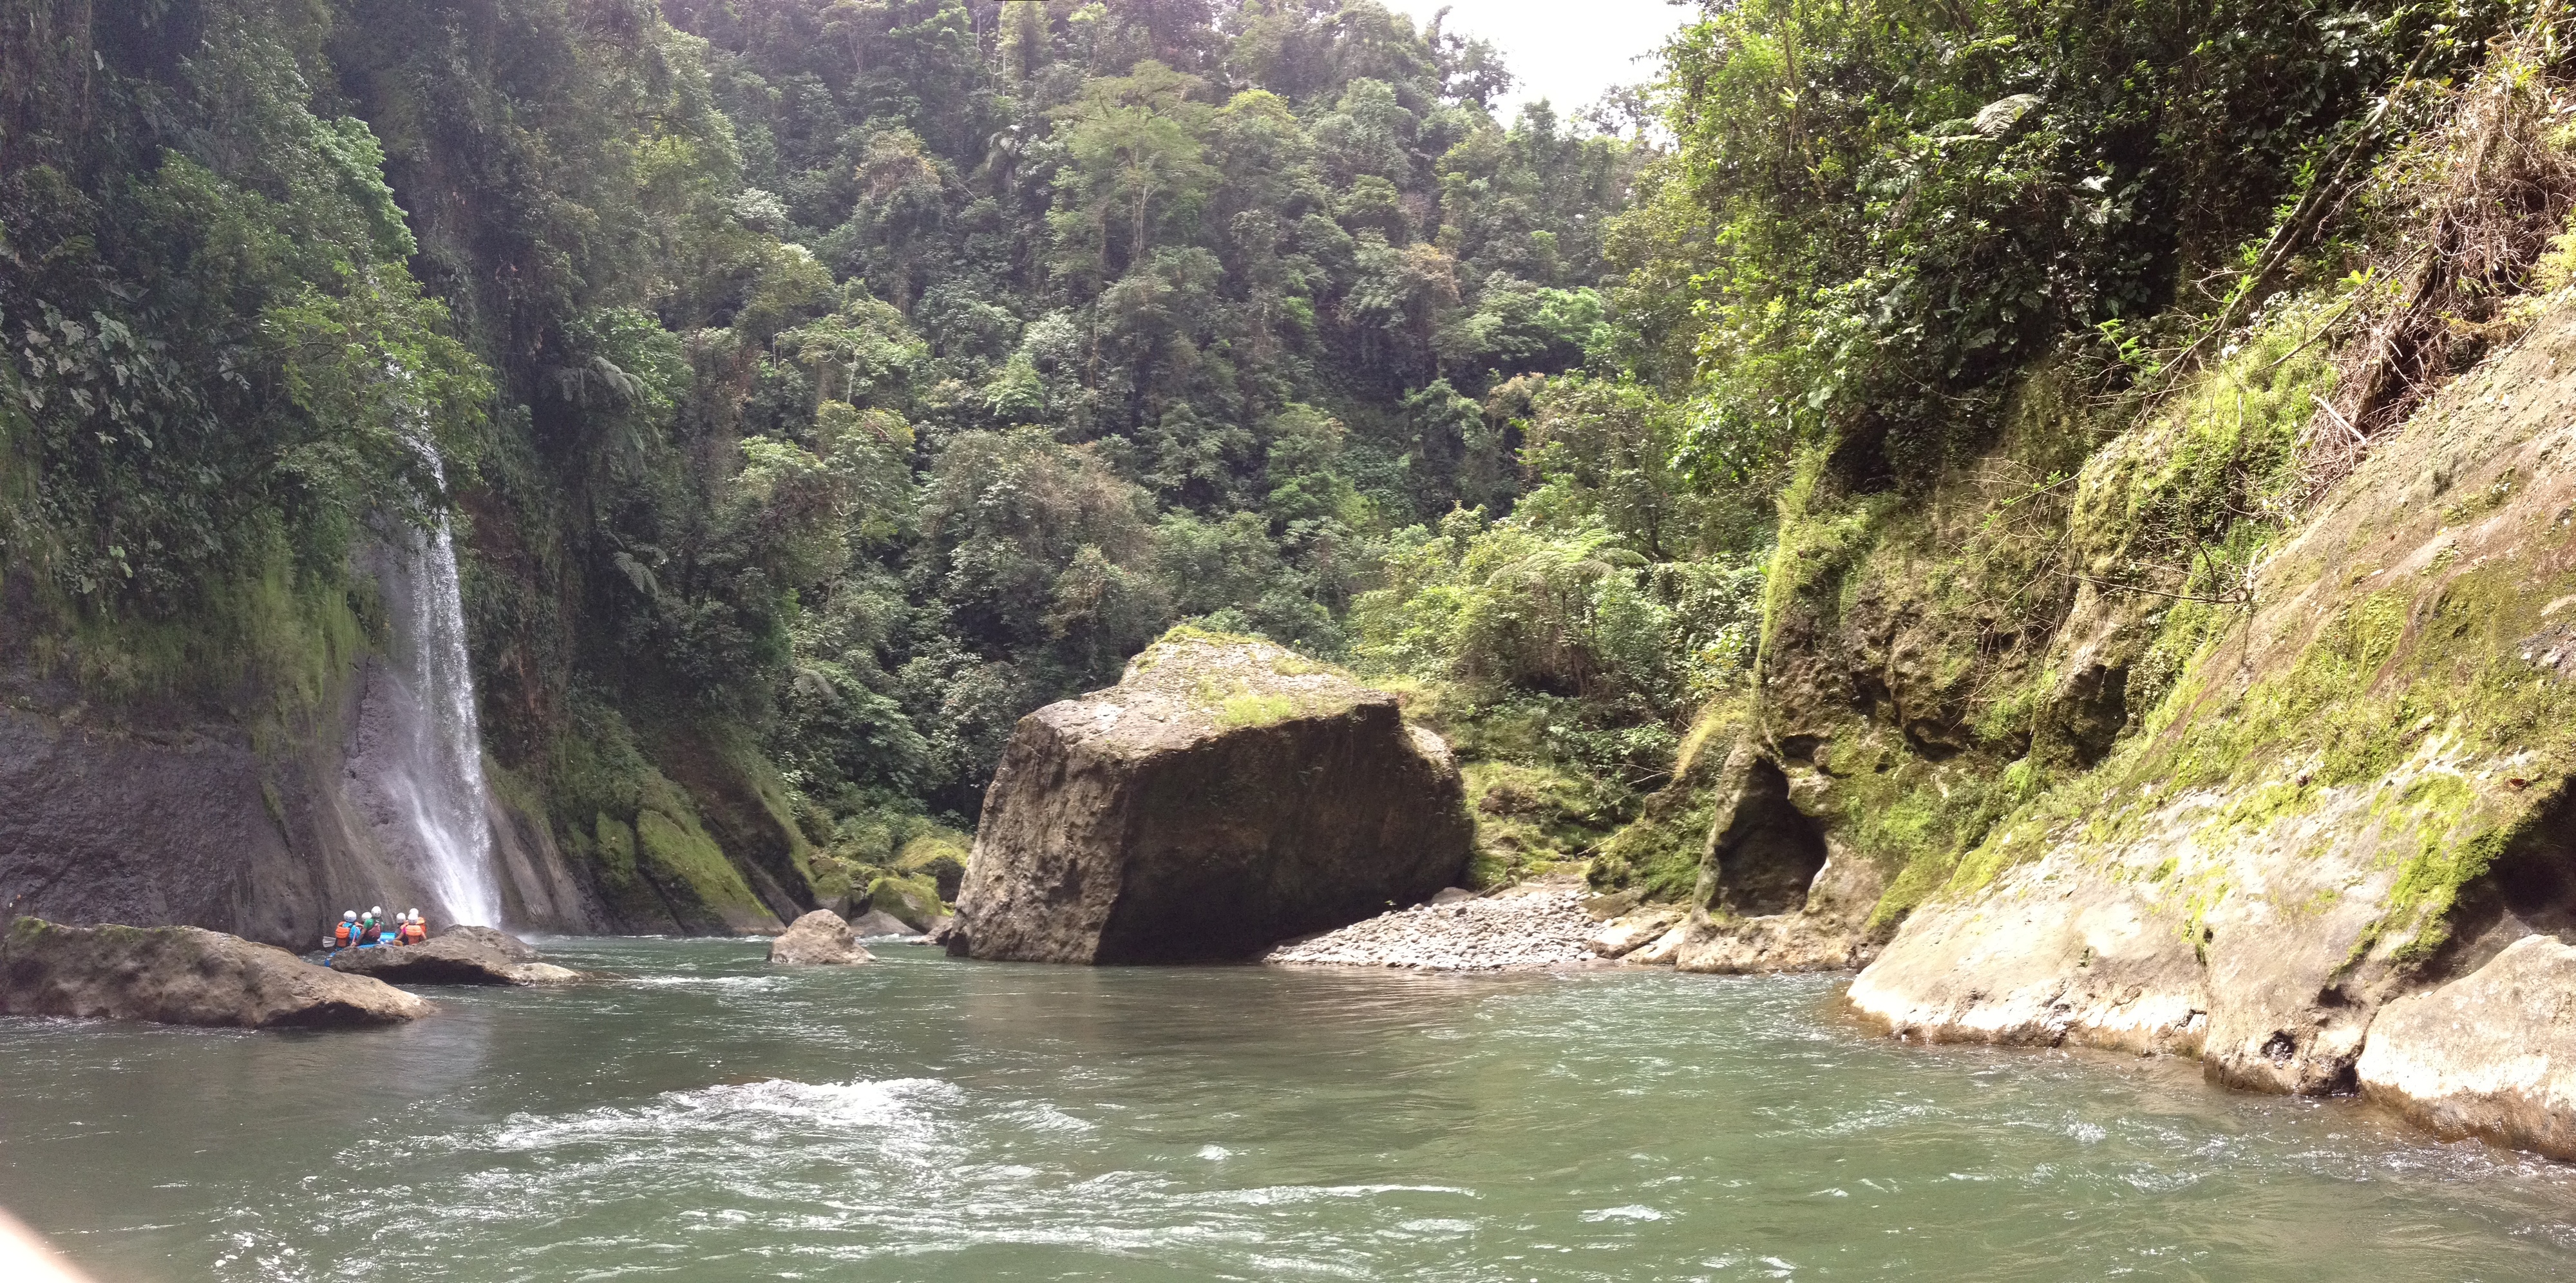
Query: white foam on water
{"x": 704, "y": 982}
{"x": 1630, "y": 1212}
{"x": 757, "y": 1112}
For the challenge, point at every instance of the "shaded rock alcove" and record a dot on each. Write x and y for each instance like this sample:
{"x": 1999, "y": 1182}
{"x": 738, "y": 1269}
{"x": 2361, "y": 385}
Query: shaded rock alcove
{"x": 1764, "y": 850}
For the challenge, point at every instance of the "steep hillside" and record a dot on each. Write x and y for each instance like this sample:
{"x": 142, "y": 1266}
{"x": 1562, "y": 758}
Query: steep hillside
{"x": 812, "y": 389}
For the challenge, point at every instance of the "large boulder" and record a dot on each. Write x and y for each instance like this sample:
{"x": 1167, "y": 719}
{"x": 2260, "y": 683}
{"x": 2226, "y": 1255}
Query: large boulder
{"x": 1226, "y": 795}
{"x": 2492, "y": 1054}
{"x": 183, "y": 976}
{"x": 819, "y": 939}
{"x": 456, "y": 956}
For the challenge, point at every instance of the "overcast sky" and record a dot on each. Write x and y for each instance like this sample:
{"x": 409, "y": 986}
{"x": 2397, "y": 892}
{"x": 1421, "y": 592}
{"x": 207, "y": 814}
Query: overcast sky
{"x": 1566, "y": 51}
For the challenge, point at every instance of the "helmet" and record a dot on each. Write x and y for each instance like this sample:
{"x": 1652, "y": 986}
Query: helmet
{"x": 415, "y": 913}
{"x": 350, "y": 916}
{"x": 376, "y": 912}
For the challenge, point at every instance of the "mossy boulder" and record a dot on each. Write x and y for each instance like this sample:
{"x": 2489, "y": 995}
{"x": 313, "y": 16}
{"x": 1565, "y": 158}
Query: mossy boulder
{"x": 911, "y": 900}
{"x": 939, "y": 857}
{"x": 1226, "y": 795}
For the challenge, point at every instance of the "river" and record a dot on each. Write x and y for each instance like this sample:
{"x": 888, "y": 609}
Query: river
{"x": 709, "y": 1118}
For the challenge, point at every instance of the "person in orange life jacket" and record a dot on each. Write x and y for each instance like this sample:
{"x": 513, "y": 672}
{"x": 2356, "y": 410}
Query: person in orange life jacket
{"x": 345, "y": 932}
{"x": 411, "y": 931}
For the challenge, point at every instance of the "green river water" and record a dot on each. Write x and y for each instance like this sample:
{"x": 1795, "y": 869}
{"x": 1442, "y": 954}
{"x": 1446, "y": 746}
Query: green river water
{"x": 709, "y": 1118}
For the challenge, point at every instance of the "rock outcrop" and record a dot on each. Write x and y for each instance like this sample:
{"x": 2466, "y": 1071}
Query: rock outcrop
{"x": 1225, "y": 795}
{"x": 819, "y": 939}
{"x": 2492, "y": 1054}
{"x": 2351, "y": 794}
{"x": 183, "y": 976}
{"x": 462, "y": 955}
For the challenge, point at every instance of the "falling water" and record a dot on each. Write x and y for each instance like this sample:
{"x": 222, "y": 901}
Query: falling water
{"x": 424, "y": 750}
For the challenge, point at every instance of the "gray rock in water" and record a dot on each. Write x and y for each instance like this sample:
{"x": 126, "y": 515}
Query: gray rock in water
{"x": 1225, "y": 795}
{"x": 456, "y": 956}
{"x": 183, "y": 976}
{"x": 819, "y": 939}
{"x": 509, "y": 946}
{"x": 2492, "y": 1054}
{"x": 877, "y": 923}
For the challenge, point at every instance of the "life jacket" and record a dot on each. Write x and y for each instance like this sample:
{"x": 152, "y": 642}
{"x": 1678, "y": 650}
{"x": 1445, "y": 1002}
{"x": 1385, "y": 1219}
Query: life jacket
{"x": 369, "y": 932}
{"x": 342, "y": 936}
{"x": 414, "y": 933}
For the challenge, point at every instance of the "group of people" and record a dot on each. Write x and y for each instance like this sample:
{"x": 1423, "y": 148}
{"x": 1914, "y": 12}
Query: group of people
{"x": 364, "y": 930}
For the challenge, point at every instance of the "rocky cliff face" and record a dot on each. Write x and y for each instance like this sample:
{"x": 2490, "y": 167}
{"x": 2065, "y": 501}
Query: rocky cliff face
{"x": 173, "y": 815}
{"x": 2353, "y": 792}
{"x": 2232, "y": 810}
{"x": 186, "y": 811}
{"x": 1224, "y": 796}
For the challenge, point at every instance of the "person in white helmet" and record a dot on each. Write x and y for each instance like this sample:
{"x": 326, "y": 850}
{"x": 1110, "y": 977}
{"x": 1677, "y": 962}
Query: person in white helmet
{"x": 345, "y": 932}
{"x": 409, "y": 929}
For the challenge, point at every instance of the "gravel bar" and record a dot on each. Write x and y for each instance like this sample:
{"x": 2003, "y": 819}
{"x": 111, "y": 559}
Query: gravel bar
{"x": 1496, "y": 933}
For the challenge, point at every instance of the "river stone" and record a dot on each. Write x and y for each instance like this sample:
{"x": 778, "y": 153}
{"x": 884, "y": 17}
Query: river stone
{"x": 1227, "y": 794}
{"x": 183, "y": 976}
{"x": 1627, "y": 934}
{"x": 877, "y": 923}
{"x": 2492, "y": 1054}
{"x": 456, "y": 956}
{"x": 819, "y": 939}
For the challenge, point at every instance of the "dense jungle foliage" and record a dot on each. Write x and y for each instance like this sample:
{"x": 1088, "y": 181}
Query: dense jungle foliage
{"x": 819, "y": 385}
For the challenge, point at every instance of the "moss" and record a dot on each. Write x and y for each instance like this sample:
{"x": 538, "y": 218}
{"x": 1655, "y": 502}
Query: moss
{"x": 1248, "y": 709}
{"x": 1532, "y": 819}
{"x": 689, "y": 869}
{"x": 912, "y": 899}
{"x": 1660, "y": 852}
{"x": 939, "y": 856}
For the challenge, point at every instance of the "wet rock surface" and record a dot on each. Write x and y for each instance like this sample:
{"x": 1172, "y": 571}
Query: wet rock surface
{"x": 456, "y": 956}
{"x": 1226, "y": 795}
{"x": 2492, "y": 1054}
{"x": 877, "y": 923}
{"x": 184, "y": 976}
{"x": 1627, "y": 934}
{"x": 1505, "y": 932}
{"x": 819, "y": 939}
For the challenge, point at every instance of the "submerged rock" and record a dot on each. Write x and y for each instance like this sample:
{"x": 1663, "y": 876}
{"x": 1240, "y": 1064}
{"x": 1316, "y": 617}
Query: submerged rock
{"x": 1224, "y": 796}
{"x": 819, "y": 939}
{"x": 456, "y": 956}
{"x": 2492, "y": 1054}
{"x": 183, "y": 976}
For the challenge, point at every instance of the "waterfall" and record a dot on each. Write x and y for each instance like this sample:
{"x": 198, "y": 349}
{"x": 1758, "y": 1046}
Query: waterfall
{"x": 421, "y": 748}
